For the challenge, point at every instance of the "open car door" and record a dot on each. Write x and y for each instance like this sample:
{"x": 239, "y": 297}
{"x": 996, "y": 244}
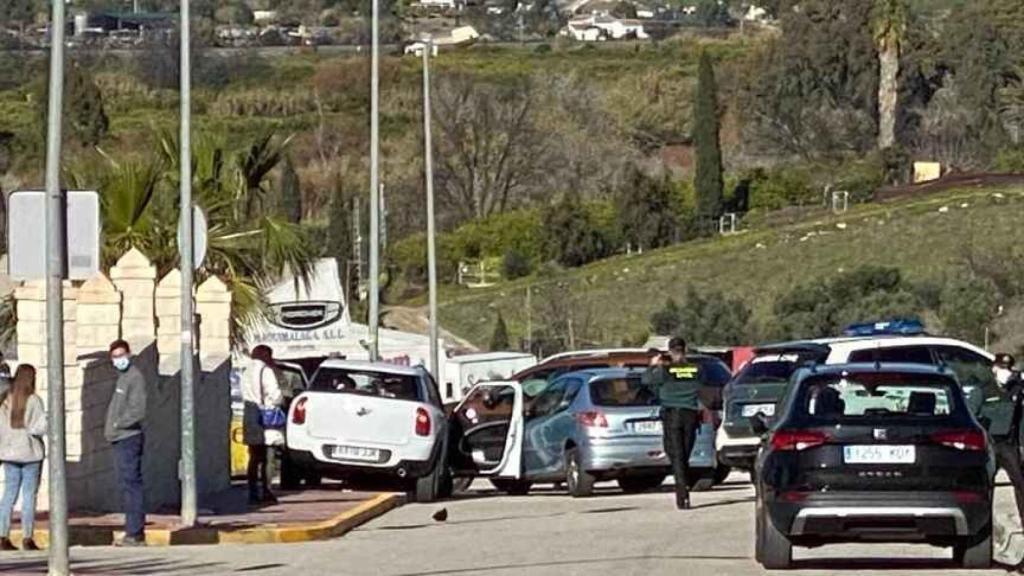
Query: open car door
{"x": 487, "y": 431}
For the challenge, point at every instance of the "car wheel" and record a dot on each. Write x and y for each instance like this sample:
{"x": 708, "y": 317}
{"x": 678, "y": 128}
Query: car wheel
{"x": 722, "y": 473}
{"x": 700, "y": 479}
{"x": 313, "y": 480}
{"x": 637, "y": 484}
{"x": 512, "y": 487}
{"x": 776, "y": 549}
{"x": 436, "y": 484}
{"x": 975, "y": 554}
{"x": 578, "y": 481}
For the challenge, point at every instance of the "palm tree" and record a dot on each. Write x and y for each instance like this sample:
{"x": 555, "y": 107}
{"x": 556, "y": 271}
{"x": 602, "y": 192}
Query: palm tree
{"x": 246, "y": 248}
{"x": 890, "y": 27}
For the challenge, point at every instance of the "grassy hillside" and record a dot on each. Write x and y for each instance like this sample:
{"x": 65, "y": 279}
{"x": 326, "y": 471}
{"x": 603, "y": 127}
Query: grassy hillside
{"x": 612, "y": 300}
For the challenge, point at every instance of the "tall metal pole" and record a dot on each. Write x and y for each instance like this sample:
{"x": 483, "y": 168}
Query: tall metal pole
{"x": 187, "y": 472}
{"x": 374, "y": 316}
{"x": 428, "y": 165}
{"x": 55, "y": 247}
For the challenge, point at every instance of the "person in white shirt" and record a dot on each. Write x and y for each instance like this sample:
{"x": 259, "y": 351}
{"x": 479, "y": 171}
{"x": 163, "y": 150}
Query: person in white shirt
{"x": 262, "y": 422}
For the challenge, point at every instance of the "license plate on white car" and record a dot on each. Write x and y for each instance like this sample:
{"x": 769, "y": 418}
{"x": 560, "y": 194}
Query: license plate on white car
{"x": 880, "y": 454}
{"x": 647, "y": 427}
{"x": 753, "y": 409}
{"x": 355, "y": 453}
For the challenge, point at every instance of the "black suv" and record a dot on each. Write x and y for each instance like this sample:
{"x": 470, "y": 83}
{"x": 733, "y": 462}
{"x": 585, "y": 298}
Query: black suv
{"x": 874, "y": 453}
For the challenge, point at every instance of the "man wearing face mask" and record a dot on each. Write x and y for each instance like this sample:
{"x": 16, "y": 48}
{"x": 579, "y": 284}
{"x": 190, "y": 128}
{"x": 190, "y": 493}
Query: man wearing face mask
{"x": 1000, "y": 414}
{"x": 125, "y": 417}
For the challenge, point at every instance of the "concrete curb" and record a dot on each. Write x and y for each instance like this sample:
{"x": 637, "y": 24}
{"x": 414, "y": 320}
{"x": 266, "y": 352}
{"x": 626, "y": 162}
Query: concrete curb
{"x": 266, "y": 534}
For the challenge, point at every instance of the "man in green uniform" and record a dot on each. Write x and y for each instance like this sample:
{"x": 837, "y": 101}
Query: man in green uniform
{"x": 998, "y": 408}
{"x": 677, "y": 385}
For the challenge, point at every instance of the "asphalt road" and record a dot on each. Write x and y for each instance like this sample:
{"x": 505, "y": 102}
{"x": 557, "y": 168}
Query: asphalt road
{"x": 546, "y": 533}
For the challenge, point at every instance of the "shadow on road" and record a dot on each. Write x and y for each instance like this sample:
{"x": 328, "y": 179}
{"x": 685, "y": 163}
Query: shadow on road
{"x": 926, "y": 565}
{"x": 582, "y": 562}
{"x": 118, "y": 567}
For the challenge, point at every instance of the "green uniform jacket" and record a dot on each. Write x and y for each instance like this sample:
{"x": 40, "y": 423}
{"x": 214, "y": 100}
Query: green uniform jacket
{"x": 998, "y": 409}
{"x": 677, "y": 386}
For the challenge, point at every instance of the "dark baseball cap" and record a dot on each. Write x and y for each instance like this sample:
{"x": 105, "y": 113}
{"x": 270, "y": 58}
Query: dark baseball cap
{"x": 677, "y": 343}
{"x": 1005, "y": 360}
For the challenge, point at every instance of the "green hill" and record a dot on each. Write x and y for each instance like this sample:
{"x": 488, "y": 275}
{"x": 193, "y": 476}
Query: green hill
{"x": 610, "y": 302}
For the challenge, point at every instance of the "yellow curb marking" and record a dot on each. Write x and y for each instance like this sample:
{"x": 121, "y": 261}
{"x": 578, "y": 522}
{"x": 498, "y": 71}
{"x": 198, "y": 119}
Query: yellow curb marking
{"x": 267, "y": 534}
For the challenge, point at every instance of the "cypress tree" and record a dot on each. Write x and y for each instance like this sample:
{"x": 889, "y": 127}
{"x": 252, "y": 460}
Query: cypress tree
{"x": 339, "y": 233}
{"x": 291, "y": 192}
{"x": 708, "y": 181}
{"x": 499, "y": 340}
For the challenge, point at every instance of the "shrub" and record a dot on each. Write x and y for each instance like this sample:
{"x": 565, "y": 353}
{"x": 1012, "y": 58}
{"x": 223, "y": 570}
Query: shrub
{"x": 968, "y": 305}
{"x": 780, "y": 187}
{"x": 499, "y": 339}
{"x": 515, "y": 264}
{"x": 666, "y": 321}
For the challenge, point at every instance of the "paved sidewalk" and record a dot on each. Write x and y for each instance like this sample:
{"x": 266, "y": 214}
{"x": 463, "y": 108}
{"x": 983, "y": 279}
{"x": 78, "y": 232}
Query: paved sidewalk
{"x": 311, "y": 514}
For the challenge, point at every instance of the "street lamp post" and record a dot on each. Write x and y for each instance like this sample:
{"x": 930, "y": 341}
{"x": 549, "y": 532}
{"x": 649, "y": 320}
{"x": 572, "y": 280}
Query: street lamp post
{"x": 59, "y": 564}
{"x": 374, "y": 312}
{"x": 428, "y": 164}
{"x": 188, "y": 442}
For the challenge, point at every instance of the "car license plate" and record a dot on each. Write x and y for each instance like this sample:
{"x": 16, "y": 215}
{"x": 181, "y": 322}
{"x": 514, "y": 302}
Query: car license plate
{"x": 647, "y": 427}
{"x": 752, "y": 409}
{"x": 879, "y": 454}
{"x": 355, "y": 453}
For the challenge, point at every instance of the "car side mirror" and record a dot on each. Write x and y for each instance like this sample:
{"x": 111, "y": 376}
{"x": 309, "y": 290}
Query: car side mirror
{"x": 759, "y": 423}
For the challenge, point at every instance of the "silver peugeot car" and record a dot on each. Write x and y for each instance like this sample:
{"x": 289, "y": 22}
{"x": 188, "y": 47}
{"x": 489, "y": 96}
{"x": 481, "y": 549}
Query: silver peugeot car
{"x": 603, "y": 424}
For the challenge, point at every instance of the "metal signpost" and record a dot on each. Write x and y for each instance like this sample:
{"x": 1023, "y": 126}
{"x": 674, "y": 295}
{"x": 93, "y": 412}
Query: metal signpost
{"x": 59, "y": 564}
{"x": 428, "y": 162}
{"x": 374, "y": 315}
{"x": 187, "y": 470}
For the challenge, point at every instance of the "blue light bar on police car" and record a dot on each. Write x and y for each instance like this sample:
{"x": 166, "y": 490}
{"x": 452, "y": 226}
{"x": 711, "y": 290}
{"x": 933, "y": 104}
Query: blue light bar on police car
{"x": 899, "y": 327}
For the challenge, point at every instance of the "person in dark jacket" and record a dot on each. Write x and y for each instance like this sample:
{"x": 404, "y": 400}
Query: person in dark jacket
{"x": 677, "y": 384}
{"x": 126, "y": 415}
{"x": 999, "y": 411}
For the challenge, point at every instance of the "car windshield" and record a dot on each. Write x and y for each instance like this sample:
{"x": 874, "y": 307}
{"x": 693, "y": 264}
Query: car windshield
{"x": 849, "y": 399}
{"x": 621, "y": 392}
{"x": 367, "y": 383}
{"x": 774, "y": 368}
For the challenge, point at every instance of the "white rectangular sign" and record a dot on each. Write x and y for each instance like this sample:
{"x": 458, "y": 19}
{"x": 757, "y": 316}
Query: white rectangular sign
{"x": 26, "y": 234}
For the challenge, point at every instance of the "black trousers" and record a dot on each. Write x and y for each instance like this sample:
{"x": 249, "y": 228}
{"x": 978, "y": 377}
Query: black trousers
{"x": 260, "y": 472}
{"x": 128, "y": 463}
{"x": 679, "y": 426}
{"x": 1008, "y": 458}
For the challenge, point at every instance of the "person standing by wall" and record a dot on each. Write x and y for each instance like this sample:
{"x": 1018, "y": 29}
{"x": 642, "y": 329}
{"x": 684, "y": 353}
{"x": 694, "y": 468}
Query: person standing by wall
{"x": 22, "y": 426}
{"x": 262, "y": 422}
{"x": 677, "y": 384}
{"x": 126, "y": 415}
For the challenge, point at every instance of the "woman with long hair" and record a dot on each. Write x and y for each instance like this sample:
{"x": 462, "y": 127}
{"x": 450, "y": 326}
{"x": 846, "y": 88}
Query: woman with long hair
{"x": 22, "y": 425}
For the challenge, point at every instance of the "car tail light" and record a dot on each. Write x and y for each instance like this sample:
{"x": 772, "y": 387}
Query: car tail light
{"x": 299, "y": 412}
{"x": 967, "y": 440}
{"x": 592, "y": 418}
{"x": 422, "y": 422}
{"x": 793, "y": 497}
{"x": 797, "y": 439}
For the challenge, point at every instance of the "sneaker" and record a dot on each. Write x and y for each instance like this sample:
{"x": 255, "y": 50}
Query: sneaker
{"x": 6, "y": 545}
{"x": 682, "y": 501}
{"x": 268, "y": 497}
{"x": 130, "y": 542}
{"x": 29, "y": 544}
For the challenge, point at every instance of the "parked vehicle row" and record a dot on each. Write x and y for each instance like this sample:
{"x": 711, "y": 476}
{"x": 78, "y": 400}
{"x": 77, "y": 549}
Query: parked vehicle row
{"x": 866, "y": 437}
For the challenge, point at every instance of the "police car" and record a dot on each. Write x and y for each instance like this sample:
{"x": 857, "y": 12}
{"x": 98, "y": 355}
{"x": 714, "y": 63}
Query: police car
{"x": 761, "y": 383}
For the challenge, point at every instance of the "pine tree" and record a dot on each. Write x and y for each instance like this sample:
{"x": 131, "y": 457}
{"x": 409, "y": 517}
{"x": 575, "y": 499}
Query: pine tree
{"x": 708, "y": 182}
{"x": 339, "y": 233}
{"x": 291, "y": 192}
{"x": 499, "y": 340}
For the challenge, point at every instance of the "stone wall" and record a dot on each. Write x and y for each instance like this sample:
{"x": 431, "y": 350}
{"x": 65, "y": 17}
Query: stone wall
{"x": 134, "y": 306}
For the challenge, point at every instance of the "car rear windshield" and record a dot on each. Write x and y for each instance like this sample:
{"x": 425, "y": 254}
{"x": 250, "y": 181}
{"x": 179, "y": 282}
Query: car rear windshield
{"x": 621, "y": 392}
{"x": 860, "y": 397}
{"x": 770, "y": 368}
{"x": 367, "y": 383}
